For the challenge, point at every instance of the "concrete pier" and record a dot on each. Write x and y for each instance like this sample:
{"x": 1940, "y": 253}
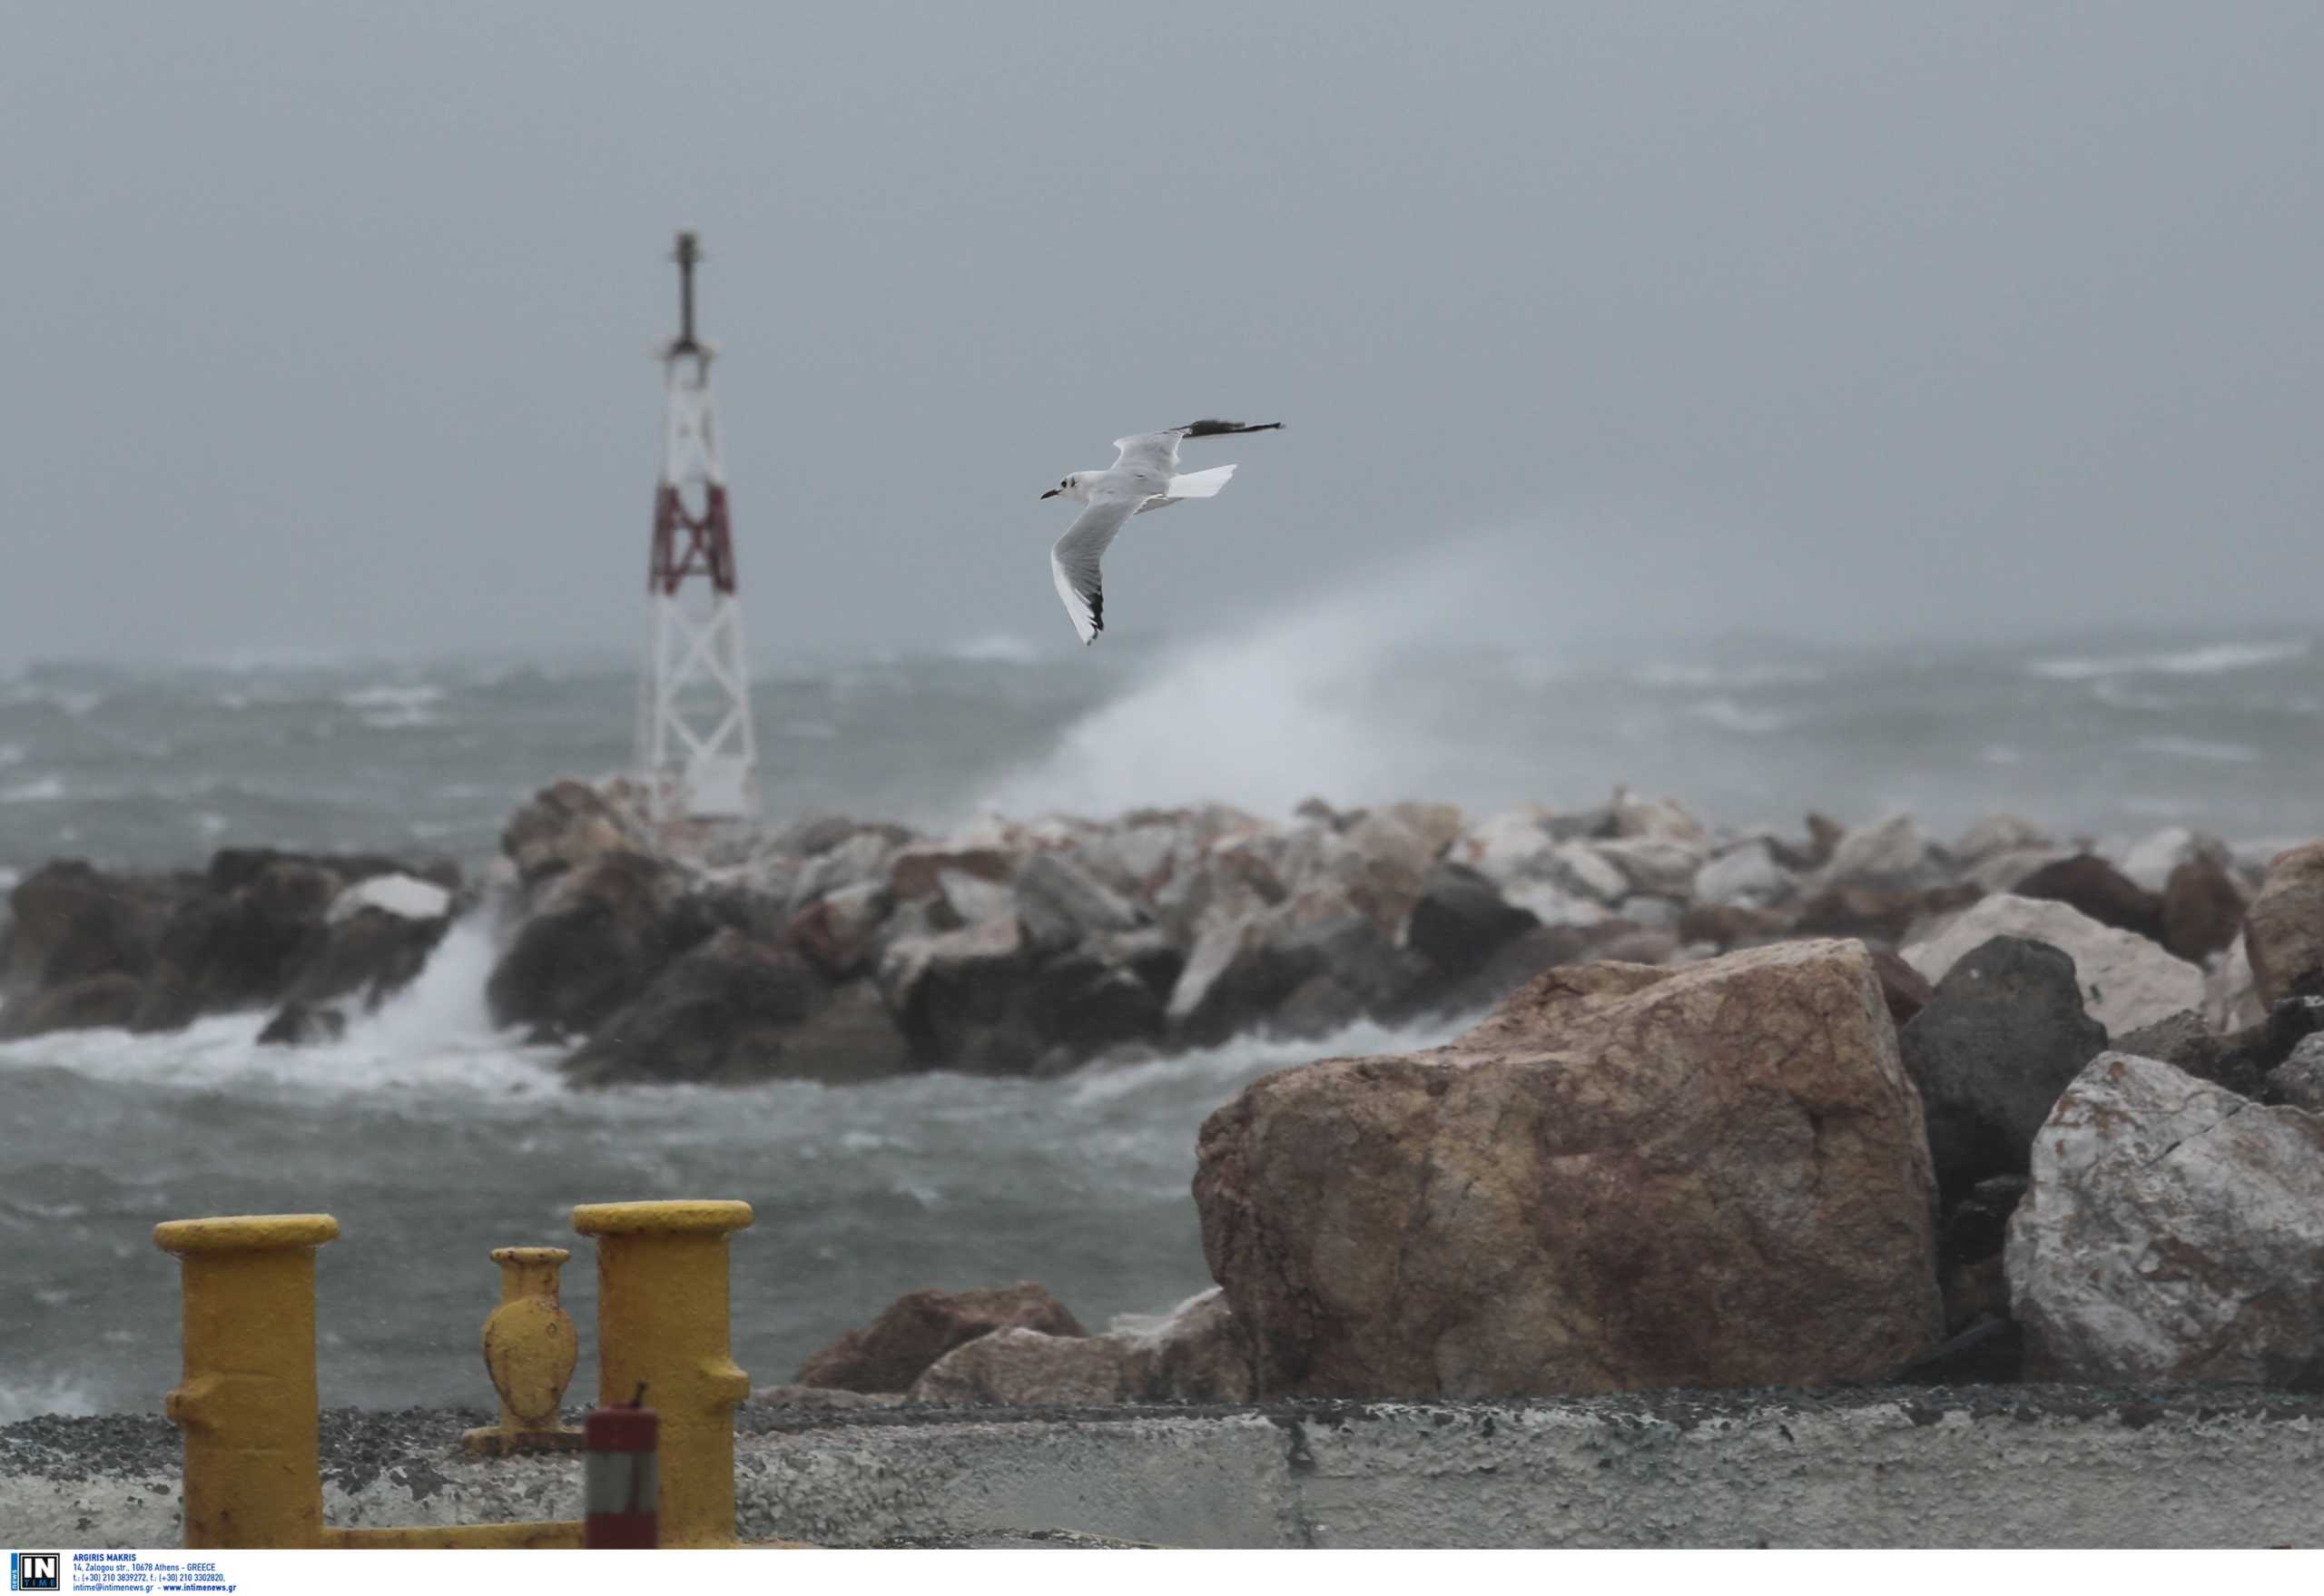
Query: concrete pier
{"x": 2013, "y": 1466}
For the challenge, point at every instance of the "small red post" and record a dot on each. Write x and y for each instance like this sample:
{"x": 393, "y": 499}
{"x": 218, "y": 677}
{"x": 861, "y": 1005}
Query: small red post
{"x": 621, "y": 1489}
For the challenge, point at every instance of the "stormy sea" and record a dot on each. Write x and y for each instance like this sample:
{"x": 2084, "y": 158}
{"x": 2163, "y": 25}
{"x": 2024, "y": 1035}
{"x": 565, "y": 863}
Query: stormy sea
{"x": 434, "y": 1139}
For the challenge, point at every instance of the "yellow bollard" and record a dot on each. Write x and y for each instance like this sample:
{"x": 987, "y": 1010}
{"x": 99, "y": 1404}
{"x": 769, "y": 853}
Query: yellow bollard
{"x": 663, "y": 1324}
{"x": 529, "y": 1352}
{"x": 247, "y": 1402}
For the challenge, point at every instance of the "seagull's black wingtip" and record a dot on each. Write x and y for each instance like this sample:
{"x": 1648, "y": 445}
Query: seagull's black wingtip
{"x": 1217, "y": 428}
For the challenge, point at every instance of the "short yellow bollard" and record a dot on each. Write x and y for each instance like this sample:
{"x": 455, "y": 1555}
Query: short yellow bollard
{"x": 247, "y": 1402}
{"x": 529, "y": 1351}
{"x": 662, "y": 1325}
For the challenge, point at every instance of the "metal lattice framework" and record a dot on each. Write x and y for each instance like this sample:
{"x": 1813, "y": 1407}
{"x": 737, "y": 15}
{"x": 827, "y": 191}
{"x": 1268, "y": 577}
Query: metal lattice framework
{"x": 697, "y": 751}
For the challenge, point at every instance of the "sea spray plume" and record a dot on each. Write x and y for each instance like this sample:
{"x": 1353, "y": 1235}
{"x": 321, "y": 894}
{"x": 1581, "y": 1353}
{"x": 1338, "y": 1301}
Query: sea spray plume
{"x": 1143, "y": 476}
{"x": 1321, "y": 698}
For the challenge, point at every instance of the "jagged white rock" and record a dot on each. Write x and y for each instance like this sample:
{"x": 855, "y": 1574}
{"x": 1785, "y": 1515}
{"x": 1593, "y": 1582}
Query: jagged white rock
{"x": 2173, "y": 1231}
{"x": 2126, "y": 980}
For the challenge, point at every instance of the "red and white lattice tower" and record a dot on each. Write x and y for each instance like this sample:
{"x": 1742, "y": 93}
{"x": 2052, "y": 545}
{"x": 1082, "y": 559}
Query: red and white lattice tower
{"x": 697, "y": 752}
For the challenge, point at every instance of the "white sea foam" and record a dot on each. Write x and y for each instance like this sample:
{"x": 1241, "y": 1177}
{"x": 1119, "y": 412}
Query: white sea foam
{"x": 11, "y": 753}
{"x": 390, "y": 706}
{"x": 49, "y": 789}
{"x": 1103, "y": 1084}
{"x": 2117, "y": 693}
{"x": 76, "y": 701}
{"x": 435, "y": 1035}
{"x": 1675, "y": 673}
{"x": 1729, "y": 715}
{"x": 25, "y": 1396}
{"x": 2211, "y": 660}
{"x": 394, "y": 695}
{"x": 996, "y": 648}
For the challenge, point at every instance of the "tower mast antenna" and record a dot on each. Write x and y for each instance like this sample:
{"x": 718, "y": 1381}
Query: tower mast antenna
{"x": 697, "y": 749}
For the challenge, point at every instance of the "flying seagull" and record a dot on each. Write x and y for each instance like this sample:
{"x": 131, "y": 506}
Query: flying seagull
{"x": 1143, "y": 476}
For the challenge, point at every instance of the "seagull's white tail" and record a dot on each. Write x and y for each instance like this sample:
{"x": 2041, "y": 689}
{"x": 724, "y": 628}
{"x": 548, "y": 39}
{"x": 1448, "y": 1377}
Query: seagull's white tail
{"x": 1200, "y": 484}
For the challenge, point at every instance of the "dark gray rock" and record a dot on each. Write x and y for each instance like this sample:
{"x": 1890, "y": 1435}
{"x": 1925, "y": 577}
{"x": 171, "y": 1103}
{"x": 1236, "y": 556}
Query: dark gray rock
{"x": 721, "y": 1013}
{"x": 2087, "y": 883}
{"x": 301, "y": 1025}
{"x": 2002, "y": 1038}
{"x": 1086, "y": 1005}
{"x": 602, "y": 933}
{"x": 1461, "y": 919}
{"x": 1904, "y": 989}
{"x": 2242, "y": 1062}
{"x": 89, "y": 1003}
{"x": 2298, "y": 1080}
{"x": 265, "y": 927}
{"x": 1977, "y": 1224}
{"x": 1320, "y": 1006}
{"x": 1515, "y": 962}
{"x": 851, "y": 1038}
{"x": 1237, "y": 976}
{"x": 963, "y": 998}
{"x": 1360, "y": 959}
{"x": 2180, "y": 1040}
{"x": 70, "y": 921}
{"x": 2202, "y": 910}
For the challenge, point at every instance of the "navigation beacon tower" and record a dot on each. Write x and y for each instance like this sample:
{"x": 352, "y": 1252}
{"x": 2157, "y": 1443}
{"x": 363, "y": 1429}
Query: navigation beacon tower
{"x": 697, "y": 752}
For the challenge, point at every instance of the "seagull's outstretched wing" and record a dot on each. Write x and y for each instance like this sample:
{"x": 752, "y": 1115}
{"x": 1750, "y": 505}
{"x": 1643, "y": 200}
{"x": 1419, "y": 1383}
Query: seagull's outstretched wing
{"x": 1073, "y": 563}
{"x": 1147, "y": 454}
{"x": 1157, "y": 452}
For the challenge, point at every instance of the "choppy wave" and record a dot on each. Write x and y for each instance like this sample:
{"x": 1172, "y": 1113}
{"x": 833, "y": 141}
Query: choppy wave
{"x": 997, "y": 648}
{"x": 2209, "y": 660}
{"x": 2199, "y": 748}
{"x": 1728, "y": 715}
{"x": 432, "y": 1140}
{"x": 433, "y": 1037}
{"x": 393, "y": 706}
{"x": 1680, "y": 674}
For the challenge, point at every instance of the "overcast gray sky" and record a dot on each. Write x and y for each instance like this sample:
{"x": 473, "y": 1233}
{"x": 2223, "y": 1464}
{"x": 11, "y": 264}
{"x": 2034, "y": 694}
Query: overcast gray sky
{"x": 327, "y": 326}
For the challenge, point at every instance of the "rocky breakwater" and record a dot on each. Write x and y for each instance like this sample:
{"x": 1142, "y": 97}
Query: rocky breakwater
{"x": 843, "y": 950}
{"x": 307, "y": 937}
{"x": 840, "y": 949}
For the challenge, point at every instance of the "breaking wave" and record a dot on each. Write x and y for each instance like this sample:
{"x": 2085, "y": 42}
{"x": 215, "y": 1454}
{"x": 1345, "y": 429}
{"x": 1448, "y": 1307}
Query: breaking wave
{"x": 2209, "y": 660}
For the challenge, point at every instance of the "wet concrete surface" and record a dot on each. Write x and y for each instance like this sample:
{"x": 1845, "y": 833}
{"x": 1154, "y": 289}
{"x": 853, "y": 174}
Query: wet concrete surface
{"x": 1872, "y": 1465}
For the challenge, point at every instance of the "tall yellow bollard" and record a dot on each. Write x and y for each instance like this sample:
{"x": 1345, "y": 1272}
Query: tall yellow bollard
{"x": 247, "y": 1402}
{"x": 663, "y": 1324}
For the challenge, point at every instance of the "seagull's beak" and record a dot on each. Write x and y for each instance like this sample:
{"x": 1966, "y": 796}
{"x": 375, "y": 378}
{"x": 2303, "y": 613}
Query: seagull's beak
{"x": 1052, "y": 493}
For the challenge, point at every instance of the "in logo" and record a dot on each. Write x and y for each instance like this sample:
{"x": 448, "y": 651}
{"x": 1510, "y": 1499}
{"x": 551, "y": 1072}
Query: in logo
{"x": 36, "y": 1571}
